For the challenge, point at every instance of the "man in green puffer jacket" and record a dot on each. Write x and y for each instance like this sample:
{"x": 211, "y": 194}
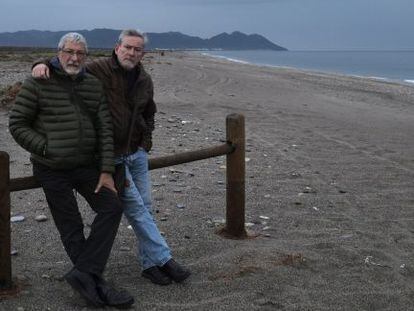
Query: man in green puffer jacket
{"x": 65, "y": 124}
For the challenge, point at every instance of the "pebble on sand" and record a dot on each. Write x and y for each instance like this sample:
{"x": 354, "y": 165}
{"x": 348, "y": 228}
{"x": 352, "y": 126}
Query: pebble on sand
{"x": 41, "y": 218}
{"x": 18, "y": 218}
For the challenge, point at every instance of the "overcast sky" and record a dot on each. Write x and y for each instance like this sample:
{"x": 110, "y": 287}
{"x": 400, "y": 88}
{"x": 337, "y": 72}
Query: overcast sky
{"x": 294, "y": 24}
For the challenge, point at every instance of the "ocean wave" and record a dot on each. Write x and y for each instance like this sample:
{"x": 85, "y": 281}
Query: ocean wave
{"x": 226, "y": 58}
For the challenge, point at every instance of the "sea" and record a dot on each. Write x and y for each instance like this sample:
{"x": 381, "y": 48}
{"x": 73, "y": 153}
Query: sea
{"x": 395, "y": 66}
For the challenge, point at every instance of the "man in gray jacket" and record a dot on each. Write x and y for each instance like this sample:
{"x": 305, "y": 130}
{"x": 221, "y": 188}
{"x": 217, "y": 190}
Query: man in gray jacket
{"x": 65, "y": 124}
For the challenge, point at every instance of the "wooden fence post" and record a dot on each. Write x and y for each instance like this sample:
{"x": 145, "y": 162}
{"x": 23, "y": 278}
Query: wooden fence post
{"x": 5, "y": 257}
{"x": 236, "y": 171}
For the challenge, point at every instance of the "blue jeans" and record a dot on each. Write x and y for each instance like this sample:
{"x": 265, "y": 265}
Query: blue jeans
{"x": 136, "y": 200}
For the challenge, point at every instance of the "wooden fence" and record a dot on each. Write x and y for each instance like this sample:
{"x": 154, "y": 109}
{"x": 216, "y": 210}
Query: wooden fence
{"x": 234, "y": 149}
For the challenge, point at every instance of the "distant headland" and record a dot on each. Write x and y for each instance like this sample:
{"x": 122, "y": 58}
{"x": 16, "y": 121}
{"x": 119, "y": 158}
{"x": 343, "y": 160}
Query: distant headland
{"x": 106, "y": 38}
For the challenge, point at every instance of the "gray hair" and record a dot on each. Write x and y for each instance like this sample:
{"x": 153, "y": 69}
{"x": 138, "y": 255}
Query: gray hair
{"x": 132, "y": 33}
{"x": 72, "y": 37}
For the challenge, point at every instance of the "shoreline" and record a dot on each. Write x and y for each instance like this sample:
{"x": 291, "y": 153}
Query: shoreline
{"x": 407, "y": 82}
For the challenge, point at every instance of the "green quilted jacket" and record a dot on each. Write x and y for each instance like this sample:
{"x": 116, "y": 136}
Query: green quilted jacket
{"x": 48, "y": 121}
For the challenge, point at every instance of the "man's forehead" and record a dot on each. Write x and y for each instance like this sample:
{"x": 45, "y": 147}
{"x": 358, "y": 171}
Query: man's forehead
{"x": 133, "y": 41}
{"x": 74, "y": 45}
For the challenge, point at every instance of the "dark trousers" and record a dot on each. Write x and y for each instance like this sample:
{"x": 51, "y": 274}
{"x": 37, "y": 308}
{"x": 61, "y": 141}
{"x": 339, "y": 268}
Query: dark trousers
{"x": 90, "y": 254}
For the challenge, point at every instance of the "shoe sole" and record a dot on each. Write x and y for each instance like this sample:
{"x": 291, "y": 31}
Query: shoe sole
{"x": 77, "y": 286}
{"x": 154, "y": 281}
{"x": 181, "y": 279}
{"x": 122, "y": 306}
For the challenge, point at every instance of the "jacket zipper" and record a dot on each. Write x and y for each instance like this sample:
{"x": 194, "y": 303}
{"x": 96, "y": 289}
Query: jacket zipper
{"x": 79, "y": 115}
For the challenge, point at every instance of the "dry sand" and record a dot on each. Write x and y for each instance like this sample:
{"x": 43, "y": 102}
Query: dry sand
{"x": 330, "y": 162}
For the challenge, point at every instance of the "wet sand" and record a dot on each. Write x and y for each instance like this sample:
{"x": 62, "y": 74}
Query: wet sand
{"x": 330, "y": 163}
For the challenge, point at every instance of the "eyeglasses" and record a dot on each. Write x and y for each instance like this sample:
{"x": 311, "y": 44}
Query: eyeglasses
{"x": 136, "y": 49}
{"x": 79, "y": 54}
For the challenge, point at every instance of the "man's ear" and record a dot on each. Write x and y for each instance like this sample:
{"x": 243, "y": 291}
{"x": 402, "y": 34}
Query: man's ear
{"x": 116, "y": 48}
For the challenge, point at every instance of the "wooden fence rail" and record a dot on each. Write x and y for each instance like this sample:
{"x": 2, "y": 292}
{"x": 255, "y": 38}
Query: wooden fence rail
{"x": 234, "y": 150}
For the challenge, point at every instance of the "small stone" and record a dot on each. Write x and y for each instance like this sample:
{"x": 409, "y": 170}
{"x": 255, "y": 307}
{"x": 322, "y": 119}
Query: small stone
{"x": 219, "y": 222}
{"x": 41, "y": 218}
{"x": 163, "y": 219}
{"x": 223, "y": 167}
{"x": 162, "y": 233}
{"x": 266, "y": 228}
{"x": 125, "y": 249}
{"x": 342, "y": 191}
{"x": 180, "y": 206}
{"x": 20, "y": 309}
{"x": 249, "y": 224}
{"x": 315, "y": 208}
{"x": 129, "y": 227}
{"x": 220, "y": 182}
{"x": 45, "y": 276}
{"x": 264, "y": 217}
{"x": 177, "y": 190}
{"x": 267, "y": 196}
{"x": 247, "y": 159}
{"x": 17, "y": 218}
{"x": 14, "y": 252}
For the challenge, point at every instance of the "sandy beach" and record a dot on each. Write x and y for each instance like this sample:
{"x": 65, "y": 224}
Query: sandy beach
{"x": 329, "y": 195}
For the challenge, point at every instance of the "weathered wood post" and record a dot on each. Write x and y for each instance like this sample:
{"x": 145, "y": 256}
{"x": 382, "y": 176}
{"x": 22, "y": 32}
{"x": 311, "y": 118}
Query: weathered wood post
{"x": 236, "y": 171}
{"x": 5, "y": 257}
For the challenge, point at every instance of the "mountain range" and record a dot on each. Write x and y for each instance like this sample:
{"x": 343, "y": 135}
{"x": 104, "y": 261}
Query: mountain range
{"x": 106, "y": 38}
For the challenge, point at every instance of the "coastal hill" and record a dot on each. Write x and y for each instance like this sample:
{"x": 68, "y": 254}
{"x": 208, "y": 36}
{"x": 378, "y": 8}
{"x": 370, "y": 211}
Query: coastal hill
{"x": 106, "y": 38}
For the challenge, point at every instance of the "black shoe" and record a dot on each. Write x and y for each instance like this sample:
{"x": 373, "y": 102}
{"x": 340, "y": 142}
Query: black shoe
{"x": 176, "y": 272}
{"x": 112, "y": 297}
{"x": 85, "y": 285}
{"x": 155, "y": 275}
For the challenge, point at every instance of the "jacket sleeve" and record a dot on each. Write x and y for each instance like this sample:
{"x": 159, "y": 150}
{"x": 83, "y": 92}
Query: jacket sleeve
{"x": 22, "y": 117}
{"x": 39, "y": 61}
{"x": 105, "y": 137}
{"x": 148, "y": 114}
{"x": 97, "y": 69}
